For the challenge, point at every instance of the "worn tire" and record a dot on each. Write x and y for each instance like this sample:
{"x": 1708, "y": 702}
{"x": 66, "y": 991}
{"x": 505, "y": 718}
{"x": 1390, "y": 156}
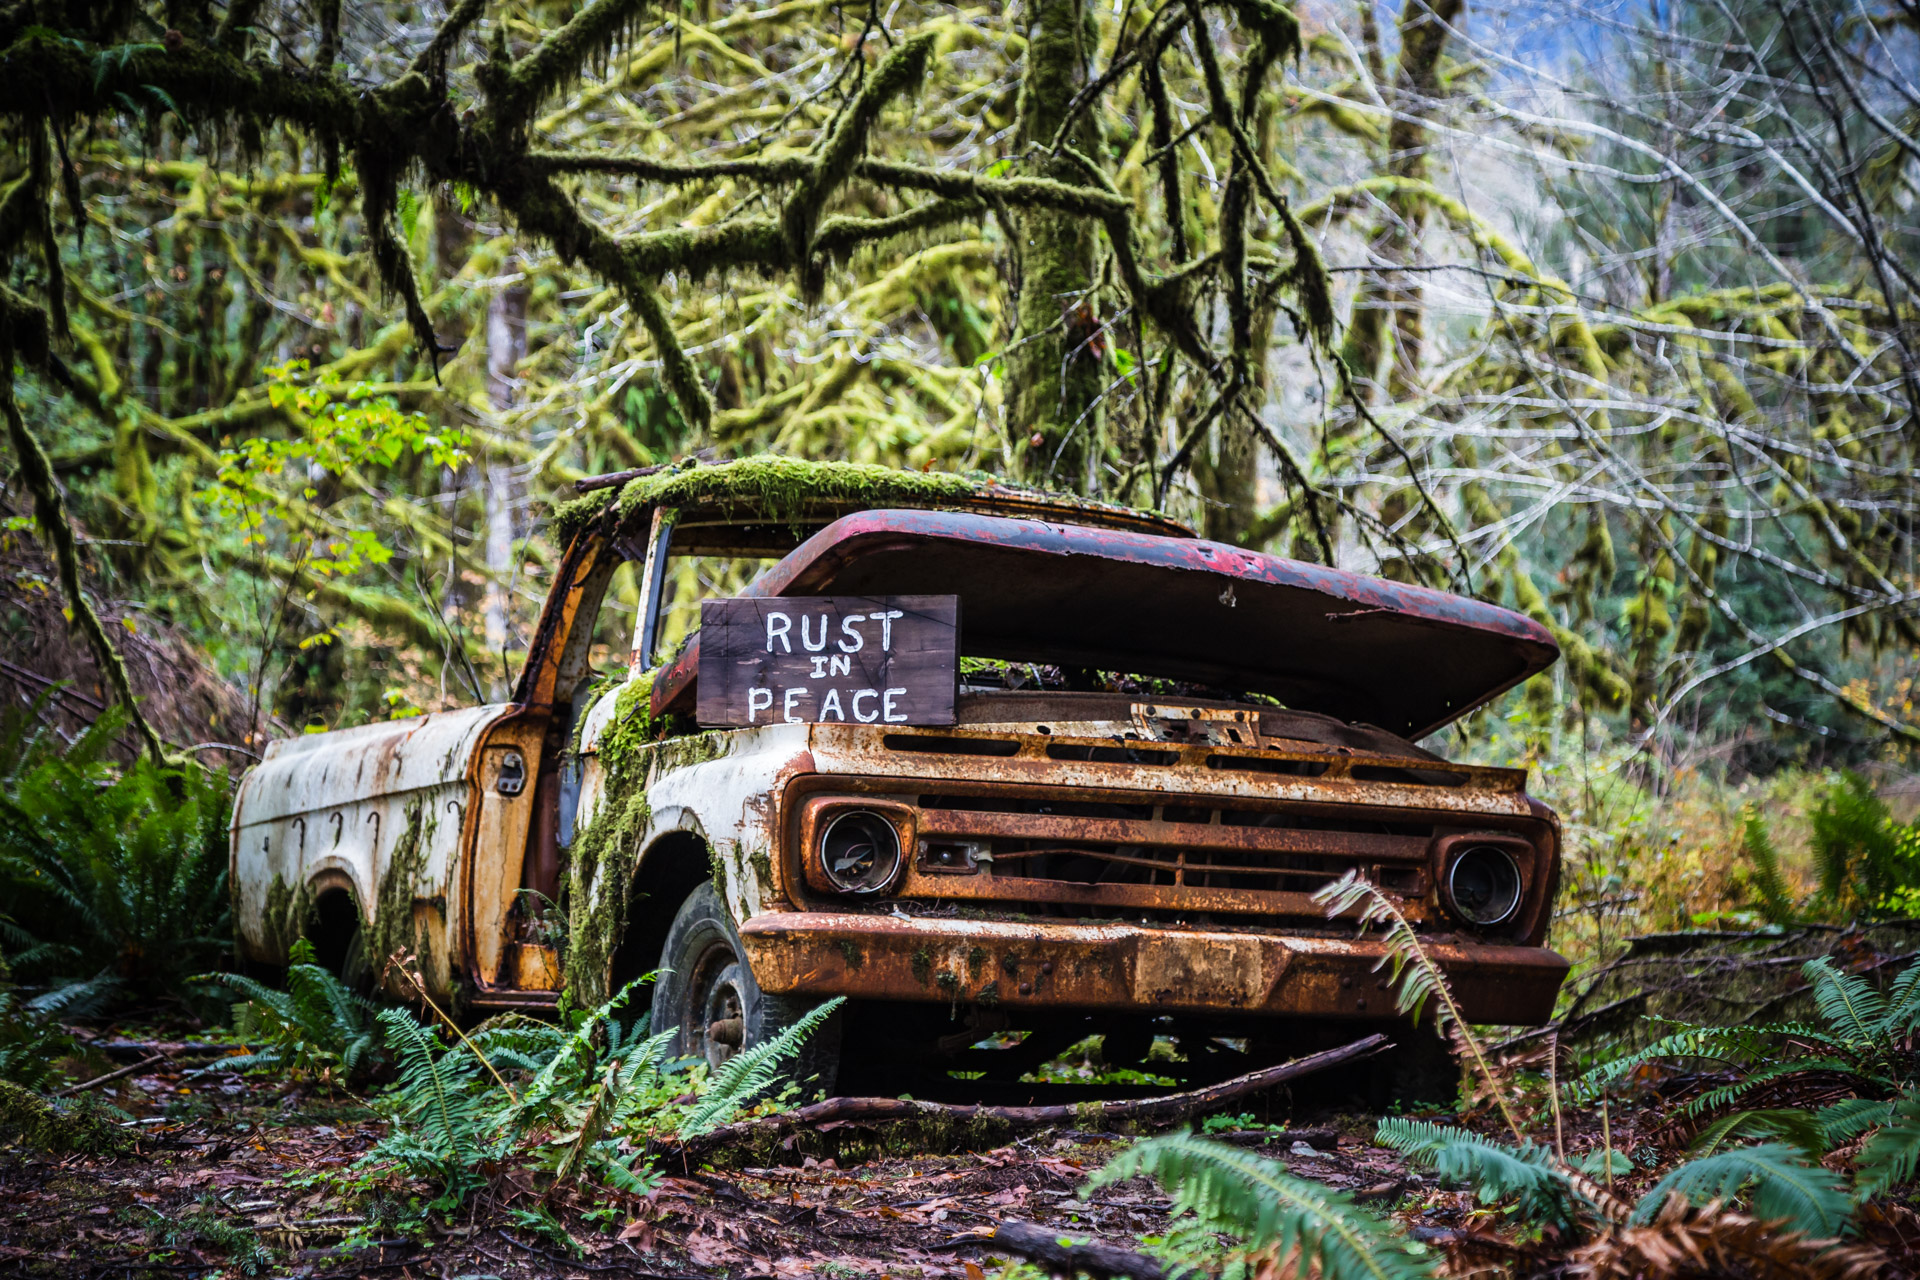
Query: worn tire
{"x": 705, "y": 980}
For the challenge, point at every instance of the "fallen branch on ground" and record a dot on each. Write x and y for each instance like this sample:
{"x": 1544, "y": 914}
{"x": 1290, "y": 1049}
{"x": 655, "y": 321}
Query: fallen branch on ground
{"x": 127, "y": 1070}
{"x": 167, "y": 1048}
{"x": 1063, "y": 1253}
{"x": 1163, "y": 1110}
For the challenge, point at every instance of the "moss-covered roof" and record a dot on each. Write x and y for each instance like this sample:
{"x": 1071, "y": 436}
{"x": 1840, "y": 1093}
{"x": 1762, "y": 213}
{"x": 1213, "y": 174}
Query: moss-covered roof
{"x": 791, "y": 489}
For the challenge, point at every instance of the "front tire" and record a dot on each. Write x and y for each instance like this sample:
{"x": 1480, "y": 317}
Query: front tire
{"x": 707, "y": 996}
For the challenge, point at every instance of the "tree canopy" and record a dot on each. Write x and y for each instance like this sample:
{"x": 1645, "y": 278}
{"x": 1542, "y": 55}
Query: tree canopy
{"x": 315, "y": 307}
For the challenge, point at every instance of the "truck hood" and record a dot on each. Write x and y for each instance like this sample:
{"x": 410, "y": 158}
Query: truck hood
{"x": 1406, "y": 659}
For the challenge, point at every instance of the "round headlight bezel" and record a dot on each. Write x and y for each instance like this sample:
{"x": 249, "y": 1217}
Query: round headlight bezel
{"x": 1472, "y": 857}
{"x": 885, "y": 868}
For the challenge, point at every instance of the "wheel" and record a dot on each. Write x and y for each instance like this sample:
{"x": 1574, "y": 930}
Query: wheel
{"x": 706, "y": 995}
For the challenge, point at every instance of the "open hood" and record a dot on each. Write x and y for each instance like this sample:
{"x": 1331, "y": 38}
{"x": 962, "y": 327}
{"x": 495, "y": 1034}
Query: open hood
{"x": 1406, "y": 659}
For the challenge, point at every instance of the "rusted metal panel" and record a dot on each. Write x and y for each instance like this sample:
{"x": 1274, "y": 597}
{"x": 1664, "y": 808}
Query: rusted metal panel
{"x": 1040, "y": 964}
{"x": 1318, "y": 638}
{"x": 353, "y": 809}
{"x": 852, "y": 749}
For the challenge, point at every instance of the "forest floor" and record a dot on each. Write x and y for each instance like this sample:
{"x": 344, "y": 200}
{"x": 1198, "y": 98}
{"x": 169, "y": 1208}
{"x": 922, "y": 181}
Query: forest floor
{"x": 237, "y": 1175}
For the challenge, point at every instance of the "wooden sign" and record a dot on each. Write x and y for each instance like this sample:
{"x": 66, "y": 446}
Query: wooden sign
{"x": 829, "y": 660}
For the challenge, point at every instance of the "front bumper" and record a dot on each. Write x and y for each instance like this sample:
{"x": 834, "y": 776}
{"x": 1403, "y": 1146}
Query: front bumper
{"x": 1128, "y": 967}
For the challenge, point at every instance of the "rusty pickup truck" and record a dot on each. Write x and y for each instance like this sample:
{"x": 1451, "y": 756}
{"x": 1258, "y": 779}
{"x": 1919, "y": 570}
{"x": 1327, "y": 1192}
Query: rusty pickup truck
{"x": 1163, "y": 747}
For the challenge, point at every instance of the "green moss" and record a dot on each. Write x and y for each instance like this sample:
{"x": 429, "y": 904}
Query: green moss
{"x": 785, "y": 489}
{"x": 923, "y": 966}
{"x": 392, "y": 927}
{"x": 989, "y": 996}
{"x": 851, "y": 953}
{"x": 782, "y": 487}
{"x": 288, "y": 916}
{"x": 601, "y": 861}
{"x": 33, "y": 1122}
{"x": 976, "y": 962}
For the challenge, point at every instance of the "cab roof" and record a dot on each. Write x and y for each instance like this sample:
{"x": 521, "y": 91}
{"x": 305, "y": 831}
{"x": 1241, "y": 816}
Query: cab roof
{"x": 767, "y": 505}
{"x": 1095, "y": 589}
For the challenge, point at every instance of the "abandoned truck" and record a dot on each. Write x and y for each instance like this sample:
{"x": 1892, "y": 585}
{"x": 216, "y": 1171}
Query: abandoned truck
{"x": 1160, "y": 747}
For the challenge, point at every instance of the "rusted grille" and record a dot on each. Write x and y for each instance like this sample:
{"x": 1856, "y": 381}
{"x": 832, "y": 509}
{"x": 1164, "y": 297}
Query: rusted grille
{"x": 1078, "y": 857}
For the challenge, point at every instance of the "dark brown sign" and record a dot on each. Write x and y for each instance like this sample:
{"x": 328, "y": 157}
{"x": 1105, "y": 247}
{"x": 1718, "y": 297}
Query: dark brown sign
{"x": 829, "y": 660}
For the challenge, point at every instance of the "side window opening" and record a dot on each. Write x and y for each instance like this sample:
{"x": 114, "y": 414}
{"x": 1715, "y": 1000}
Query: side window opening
{"x": 691, "y": 579}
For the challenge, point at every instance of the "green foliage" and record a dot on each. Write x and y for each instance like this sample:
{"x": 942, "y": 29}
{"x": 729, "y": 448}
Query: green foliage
{"x": 749, "y": 1074}
{"x": 205, "y": 1225}
{"x": 1866, "y": 860}
{"x": 120, "y": 870}
{"x": 1785, "y": 1188}
{"x": 262, "y": 478}
{"x": 30, "y": 1042}
{"x": 588, "y": 1088}
{"x": 443, "y": 1128}
{"x": 1268, "y": 1211}
{"x": 315, "y": 1029}
{"x": 1891, "y": 1157}
{"x": 1776, "y": 902}
{"x": 1524, "y": 1172}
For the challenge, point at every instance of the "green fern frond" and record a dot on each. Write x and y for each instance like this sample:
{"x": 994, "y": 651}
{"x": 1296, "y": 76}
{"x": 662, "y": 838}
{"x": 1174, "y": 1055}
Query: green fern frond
{"x": 573, "y": 1055}
{"x": 1846, "y": 1120}
{"x": 1729, "y": 1046}
{"x": 1234, "y": 1191}
{"x": 1891, "y": 1157}
{"x": 1724, "y": 1096}
{"x": 1524, "y": 1172}
{"x": 1847, "y": 1003}
{"x": 751, "y": 1072}
{"x": 1797, "y": 1127}
{"x": 1785, "y": 1188}
{"x": 1776, "y": 902}
{"x": 1903, "y": 1004}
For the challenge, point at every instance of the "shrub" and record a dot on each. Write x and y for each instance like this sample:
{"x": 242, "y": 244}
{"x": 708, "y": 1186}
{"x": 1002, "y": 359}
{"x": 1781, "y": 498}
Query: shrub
{"x": 114, "y": 869}
{"x": 1867, "y": 861}
{"x": 317, "y": 1028}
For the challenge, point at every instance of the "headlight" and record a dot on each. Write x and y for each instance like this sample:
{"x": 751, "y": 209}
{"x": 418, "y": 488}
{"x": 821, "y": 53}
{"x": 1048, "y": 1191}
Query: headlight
{"x": 1483, "y": 884}
{"x": 860, "y": 852}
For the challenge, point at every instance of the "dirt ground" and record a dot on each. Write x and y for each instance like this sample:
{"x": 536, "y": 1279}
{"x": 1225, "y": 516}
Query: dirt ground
{"x": 235, "y": 1176}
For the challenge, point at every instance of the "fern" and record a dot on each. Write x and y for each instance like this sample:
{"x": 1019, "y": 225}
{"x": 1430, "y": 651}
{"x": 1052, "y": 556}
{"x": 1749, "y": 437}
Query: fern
{"x": 1417, "y": 980}
{"x": 1796, "y": 1126}
{"x": 118, "y": 870}
{"x": 1524, "y": 1172}
{"x": 445, "y": 1133}
{"x": 1806, "y": 1197}
{"x": 1319, "y": 1230}
{"x": 1847, "y": 1002}
{"x": 1862, "y": 854}
{"x": 1891, "y": 1157}
{"x": 751, "y": 1073}
{"x": 30, "y": 1043}
{"x": 315, "y": 1028}
{"x": 1776, "y": 902}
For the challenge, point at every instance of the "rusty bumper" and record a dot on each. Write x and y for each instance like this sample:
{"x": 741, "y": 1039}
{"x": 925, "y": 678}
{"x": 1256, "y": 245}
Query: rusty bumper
{"x": 1126, "y": 967}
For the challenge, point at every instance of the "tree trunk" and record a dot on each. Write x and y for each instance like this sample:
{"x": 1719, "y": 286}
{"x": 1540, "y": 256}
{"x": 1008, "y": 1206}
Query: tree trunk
{"x": 1394, "y": 296}
{"x": 1055, "y": 364}
{"x": 506, "y": 347}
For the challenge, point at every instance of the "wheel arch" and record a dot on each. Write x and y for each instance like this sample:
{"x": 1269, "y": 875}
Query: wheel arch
{"x": 673, "y": 865}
